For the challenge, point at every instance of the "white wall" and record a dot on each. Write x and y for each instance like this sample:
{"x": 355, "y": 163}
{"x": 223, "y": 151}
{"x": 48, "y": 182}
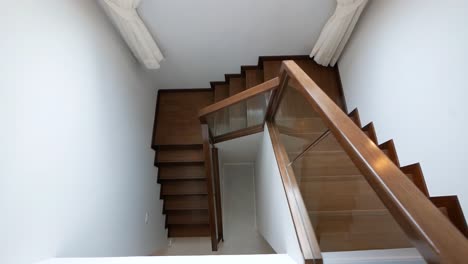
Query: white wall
{"x": 76, "y": 111}
{"x": 274, "y": 221}
{"x": 240, "y": 232}
{"x": 204, "y": 39}
{"x": 405, "y": 69}
{"x": 240, "y": 150}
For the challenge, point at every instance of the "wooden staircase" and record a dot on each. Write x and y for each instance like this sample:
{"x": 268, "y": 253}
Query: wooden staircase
{"x": 178, "y": 143}
{"x": 344, "y": 210}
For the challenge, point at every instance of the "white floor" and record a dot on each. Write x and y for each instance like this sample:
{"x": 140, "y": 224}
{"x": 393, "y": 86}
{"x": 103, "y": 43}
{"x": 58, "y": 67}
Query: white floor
{"x": 226, "y": 259}
{"x": 240, "y": 234}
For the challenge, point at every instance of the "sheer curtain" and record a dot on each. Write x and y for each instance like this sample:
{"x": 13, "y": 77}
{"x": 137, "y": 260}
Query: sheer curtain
{"x": 125, "y": 17}
{"x": 337, "y": 31}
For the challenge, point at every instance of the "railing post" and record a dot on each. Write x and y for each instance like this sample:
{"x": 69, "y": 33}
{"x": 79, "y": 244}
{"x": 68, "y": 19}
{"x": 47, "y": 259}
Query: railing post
{"x": 276, "y": 96}
{"x": 209, "y": 185}
{"x": 219, "y": 212}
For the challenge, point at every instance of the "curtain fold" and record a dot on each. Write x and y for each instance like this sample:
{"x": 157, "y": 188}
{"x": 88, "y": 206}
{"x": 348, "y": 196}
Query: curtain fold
{"x": 125, "y": 17}
{"x": 336, "y": 32}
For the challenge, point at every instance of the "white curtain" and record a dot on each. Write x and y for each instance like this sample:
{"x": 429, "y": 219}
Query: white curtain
{"x": 337, "y": 31}
{"x": 126, "y": 19}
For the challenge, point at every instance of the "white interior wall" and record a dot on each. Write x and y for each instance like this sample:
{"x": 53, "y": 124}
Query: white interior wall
{"x": 405, "y": 69}
{"x": 76, "y": 111}
{"x": 273, "y": 216}
{"x": 239, "y": 150}
{"x": 238, "y": 203}
{"x": 204, "y": 39}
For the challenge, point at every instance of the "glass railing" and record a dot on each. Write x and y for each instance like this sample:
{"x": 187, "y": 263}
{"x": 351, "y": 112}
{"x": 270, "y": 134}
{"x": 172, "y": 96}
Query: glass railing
{"x": 239, "y": 115}
{"x": 344, "y": 193}
{"x": 344, "y": 210}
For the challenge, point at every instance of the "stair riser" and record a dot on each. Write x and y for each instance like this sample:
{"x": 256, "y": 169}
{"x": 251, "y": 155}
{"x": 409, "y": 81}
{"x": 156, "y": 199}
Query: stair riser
{"x": 193, "y": 187}
{"x": 182, "y": 203}
{"x": 358, "y": 232}
{"x": 181, "y": 172}
{"x": 188, "y": 230}
{"x": 188, "y": 218}
{"x": 324, "y": 164}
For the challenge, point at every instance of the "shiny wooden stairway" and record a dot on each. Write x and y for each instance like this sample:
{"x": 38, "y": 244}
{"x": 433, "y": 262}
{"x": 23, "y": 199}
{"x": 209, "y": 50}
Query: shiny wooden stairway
{"x": 178, "y": 143}
{"x": 344, "y": 210}
{"x": 177, "y": 139}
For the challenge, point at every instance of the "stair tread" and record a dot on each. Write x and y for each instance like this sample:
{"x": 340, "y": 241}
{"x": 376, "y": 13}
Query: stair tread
{"x": 237, "y": 112}
{"x": 324, "y": 163}
{"x": 185, "y": 187}
{"x": 301, "y": 125}
{"x": 236, "y": 85}
{"x": 357, "y": 230}
{"x": 192, "y": 217}
{"x": 189, "y": 230}
{"x": 221, "y": 91}
{"x": 181, "y": 172}
{"x": 256, "y": 106}
{"x": 327, "y": 78}
{"x": 176, "y": 119}
{"x": 189, "y": 202}
{"x": 338, "y": 193}
{"x": 180, "y": 155}
{"x": 294, "y": 144}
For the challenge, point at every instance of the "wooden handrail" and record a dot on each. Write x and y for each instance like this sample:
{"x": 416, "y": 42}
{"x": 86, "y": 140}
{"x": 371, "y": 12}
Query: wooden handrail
{"x": 217, "y": 190}
{"x": 209, "y": 185}
{"x": 304, "y": 231}
{"x": 242, "y": 96}
{"x": 437, "y": 240}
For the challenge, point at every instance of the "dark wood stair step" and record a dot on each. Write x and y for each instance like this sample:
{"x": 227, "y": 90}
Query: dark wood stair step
{"x": 327, "y": 78}
{"x": 389, "y": 149}
{"x": 176, "y": 120}
{"x": 194, "y": 217}
{"x": 237, "y": 112}
{"x": 296, "y": 126}
{"x": 256, "y": 106}
{"x": 189, "y": 230}
{"x": 415, "y": 174}
{"x": 181, "y": 172}
{"x": 185, "y": 187}
{"x": 221, "y": 91}
{"x": 185, "y": 202}
{"x": 325, "y": 163}
{"x": 450, "y": 206}
{"x": 357, "y": 230}
{"x": 192, "y": 154}
{"x": 236, "y": 84}
{"x": 339, "y": 193}
{"x": 369, "y": 130}
{"x": 354, "y": 115}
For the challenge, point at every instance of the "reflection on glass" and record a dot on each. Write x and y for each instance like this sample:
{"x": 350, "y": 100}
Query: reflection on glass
{"x": 345, "y": 212}
{"x": 299, "y": 125}
{"x": 245, "y": 114}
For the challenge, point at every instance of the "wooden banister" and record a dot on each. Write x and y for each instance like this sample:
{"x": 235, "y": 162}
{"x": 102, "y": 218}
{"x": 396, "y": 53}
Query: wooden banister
{"x": 304, "y": 231}
{"x": 207, "y": 153}
{"x": 437, "y": 240}
{"x": 242, "y": 96}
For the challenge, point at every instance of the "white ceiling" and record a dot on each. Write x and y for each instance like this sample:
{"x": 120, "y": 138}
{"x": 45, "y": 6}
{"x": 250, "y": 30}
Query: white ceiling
{"x": 204, "y": 39}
